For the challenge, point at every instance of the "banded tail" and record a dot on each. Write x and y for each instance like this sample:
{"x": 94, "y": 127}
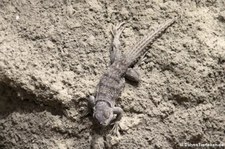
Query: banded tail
{"x": 140, "y": 48}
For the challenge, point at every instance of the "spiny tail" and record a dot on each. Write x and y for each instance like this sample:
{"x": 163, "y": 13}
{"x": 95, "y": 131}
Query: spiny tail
{"x": 140, "y": 48}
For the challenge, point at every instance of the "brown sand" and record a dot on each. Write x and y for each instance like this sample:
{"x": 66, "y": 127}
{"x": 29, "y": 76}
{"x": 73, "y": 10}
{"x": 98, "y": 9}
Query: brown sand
{"x": 52, "y": 53}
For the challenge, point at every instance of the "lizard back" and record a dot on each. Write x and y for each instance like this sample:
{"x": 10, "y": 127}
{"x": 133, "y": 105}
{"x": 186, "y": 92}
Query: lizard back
{"x": 110, "y": 85}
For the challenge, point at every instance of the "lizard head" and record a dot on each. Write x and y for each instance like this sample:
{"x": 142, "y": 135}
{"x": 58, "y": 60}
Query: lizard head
{"x": 103, "y": 114}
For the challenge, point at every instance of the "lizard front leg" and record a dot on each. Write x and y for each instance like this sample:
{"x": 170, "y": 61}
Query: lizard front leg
{"x": 119, "y": 113}
{"x": 91, "y": 104}
{"x": 115, "y": 52}
{"x": 91, "y": 101}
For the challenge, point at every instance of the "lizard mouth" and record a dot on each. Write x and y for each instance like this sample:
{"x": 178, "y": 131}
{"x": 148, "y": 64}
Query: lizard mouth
{"x": 104, "y": 124}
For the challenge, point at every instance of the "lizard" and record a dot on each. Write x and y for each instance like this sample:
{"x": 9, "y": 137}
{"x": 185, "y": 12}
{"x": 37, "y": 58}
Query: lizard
{"x": 121, "y": 66}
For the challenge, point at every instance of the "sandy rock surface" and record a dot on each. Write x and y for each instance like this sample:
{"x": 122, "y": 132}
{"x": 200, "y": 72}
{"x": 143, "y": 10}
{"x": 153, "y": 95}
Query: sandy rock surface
{"x": 53, "y": 52}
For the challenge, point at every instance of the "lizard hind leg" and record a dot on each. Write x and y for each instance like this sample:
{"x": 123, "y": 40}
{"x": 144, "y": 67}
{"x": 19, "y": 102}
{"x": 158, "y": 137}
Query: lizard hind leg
{"x": 115, "y": 52}
{"x": 132, "y": 75}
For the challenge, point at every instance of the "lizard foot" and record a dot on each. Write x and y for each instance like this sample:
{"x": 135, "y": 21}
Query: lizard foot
{"x": 115, "y": 129}
{"x": 85, "y": 113}
{"x": 117, "y": 30}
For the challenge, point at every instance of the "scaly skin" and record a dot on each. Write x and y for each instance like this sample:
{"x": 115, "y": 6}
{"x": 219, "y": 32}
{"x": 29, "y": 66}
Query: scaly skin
{"x": 112, "y": 82}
